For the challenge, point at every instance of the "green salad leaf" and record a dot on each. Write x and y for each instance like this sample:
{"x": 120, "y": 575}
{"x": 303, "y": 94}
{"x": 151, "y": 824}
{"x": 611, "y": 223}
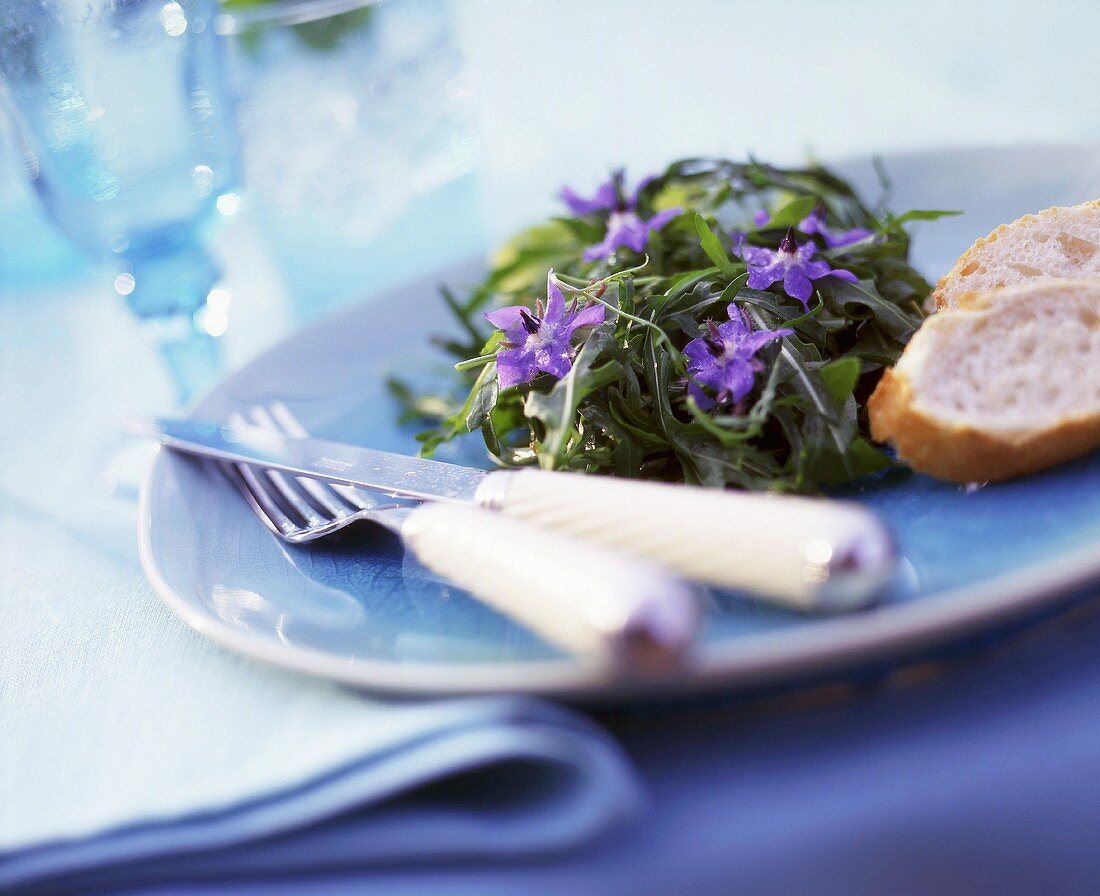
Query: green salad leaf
{"x": 630, "y": 402}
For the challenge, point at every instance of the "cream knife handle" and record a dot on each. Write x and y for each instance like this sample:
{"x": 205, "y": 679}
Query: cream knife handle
{"x": 587, "y": 600}
{"x": 806, "y": 553}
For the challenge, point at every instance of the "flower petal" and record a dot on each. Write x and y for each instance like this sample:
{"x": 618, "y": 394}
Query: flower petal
{"x": 704, "y": 401}
{"x": 515, "y": 366}
{"x": 601, "y": 202}
{"x": 509, "y": 320}
{"x": 761, "y": 218}
{"x": 555, "y": 301}
{"x": 599, "y": 251}
{"x": 623, "y": 229}
{"x": 814, "y": 222}
{"x": 842, "y": 274}
{"x": 815, "y": 270}
{"x": 847, "y": 237}
{"x": 762, "y": 278}
{"x": 627, "y": 229}
{"x": 756, "y": 341}
{"x": 756, "y": 256}
{"x": 807, "y": 251}
{"x": 699, "y": 355}
{"x": 591, "y": 316}
{"x": 505, "y": 318}
{"x": 736, "y": 320}
{"x": 797, "y": 285}
{"x": 768, "y": 274}
{"x": 660, "y": 219}
{"x": 738, "y": 378}
{"x": 555, "y": 360}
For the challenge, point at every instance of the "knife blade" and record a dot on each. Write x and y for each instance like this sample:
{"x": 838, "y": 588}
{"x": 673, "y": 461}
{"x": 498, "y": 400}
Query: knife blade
{"x": 336, "y": 462}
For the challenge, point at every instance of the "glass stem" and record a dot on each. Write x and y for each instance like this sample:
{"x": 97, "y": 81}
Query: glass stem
{"x": 170, "y": 294}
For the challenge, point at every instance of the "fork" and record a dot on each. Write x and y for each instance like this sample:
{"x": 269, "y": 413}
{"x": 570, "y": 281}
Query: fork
{"x": 629, "y": 615}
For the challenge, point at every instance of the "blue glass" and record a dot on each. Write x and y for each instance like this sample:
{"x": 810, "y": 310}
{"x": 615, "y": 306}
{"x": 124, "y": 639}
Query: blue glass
{"x": 383, "y": 86}
{"x": 33, "y": 252}
{"x": 126, "y": 126}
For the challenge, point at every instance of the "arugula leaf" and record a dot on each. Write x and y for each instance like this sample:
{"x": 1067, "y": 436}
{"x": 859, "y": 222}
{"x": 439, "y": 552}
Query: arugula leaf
{"x": 792, "y": 213}
{"x": 927, "y": 214}
{"x": 840, "y": 377}
{"x": 893, "y": 319}
{"x": 713, "y": 248}
{"x": 624, "y": 406}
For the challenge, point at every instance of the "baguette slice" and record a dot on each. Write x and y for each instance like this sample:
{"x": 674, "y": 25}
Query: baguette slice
{"x": 1007, "y": 384}
{"x": 1060, "y": 242}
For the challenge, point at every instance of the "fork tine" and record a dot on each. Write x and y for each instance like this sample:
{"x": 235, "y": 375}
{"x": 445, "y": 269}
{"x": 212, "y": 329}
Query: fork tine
{"x": 257, "y": 495}
{"x": 284, "y": 418}
{"x": 353, "y": 496}
{"x": 276, "y": 497}
{"x": 289, "y": 491}
{"x": 281, "y": 417}
{"x": 319, "y": 492}
{"x": 298, "y": 508}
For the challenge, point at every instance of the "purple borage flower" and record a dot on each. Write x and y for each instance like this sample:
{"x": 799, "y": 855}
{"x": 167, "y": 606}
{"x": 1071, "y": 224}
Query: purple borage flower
{"x": 625, "y": 227}
{"x": 540, "y": 341}
{"x": 814, "y": 222}
{"x": 792, "y": 264}
{"x": 724, "y": 359}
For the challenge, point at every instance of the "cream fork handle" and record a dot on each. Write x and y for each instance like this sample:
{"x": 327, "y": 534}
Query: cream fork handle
{"x": 806, "y": 553}
{"x": 611, "y": 609}
{"x": 592, "y": 602}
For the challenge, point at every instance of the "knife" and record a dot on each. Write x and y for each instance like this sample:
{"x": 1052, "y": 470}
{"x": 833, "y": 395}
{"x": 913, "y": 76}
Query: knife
{"x": 810, "y": 554}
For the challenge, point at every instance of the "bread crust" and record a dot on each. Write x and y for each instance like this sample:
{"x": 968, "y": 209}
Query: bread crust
{"x": 937, "y": 301}
{"x": 963, "y": 454}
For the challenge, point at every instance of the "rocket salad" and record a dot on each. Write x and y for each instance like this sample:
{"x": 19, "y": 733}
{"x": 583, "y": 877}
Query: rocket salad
{"x": 720, "y": 323}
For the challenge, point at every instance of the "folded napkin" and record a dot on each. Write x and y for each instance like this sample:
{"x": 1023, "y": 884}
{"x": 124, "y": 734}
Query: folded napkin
{"x": 133, "y": 750}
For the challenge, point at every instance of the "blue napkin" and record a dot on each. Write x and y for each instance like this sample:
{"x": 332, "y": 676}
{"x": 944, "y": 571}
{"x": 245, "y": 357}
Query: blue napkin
{"x": 132, "y": 749}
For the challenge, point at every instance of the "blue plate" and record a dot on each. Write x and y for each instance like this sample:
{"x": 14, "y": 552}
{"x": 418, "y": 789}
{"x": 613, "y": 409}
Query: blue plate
{"x": 355, "y": 609}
